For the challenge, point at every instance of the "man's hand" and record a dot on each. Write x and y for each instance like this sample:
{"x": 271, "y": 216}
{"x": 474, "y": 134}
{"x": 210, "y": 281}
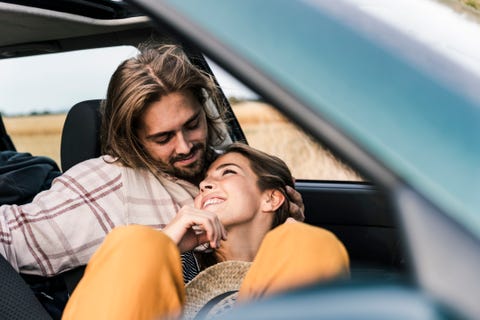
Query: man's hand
{"x": 192, "y": 227}
{"x": 297, "y": 207}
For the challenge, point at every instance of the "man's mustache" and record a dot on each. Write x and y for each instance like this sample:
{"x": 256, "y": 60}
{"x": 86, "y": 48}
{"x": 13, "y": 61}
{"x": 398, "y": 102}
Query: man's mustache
{"x": 181, "y": 157}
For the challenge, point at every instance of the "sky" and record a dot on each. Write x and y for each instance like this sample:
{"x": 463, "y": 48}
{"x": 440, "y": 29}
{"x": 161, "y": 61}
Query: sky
{"x": 57, "y": 81}
{"x": 28, "y": 83}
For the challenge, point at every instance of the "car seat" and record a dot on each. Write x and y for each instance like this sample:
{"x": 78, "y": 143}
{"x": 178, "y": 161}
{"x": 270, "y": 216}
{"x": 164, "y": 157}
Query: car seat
{"x": 17, "y": 300}
{"x": 81, "y": 134}
{"x": 80, "y": 141}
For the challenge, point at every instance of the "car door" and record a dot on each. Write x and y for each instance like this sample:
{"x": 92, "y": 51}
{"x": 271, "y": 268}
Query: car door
{"x": 400, "y": 113}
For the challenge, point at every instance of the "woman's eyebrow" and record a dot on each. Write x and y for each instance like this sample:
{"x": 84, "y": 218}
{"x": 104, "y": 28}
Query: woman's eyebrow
{"x": 223, "y": 165}
{"x": 220, "y": 167}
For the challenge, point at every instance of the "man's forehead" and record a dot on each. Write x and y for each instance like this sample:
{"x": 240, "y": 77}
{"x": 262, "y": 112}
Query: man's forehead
{"x": 167, "y": 117}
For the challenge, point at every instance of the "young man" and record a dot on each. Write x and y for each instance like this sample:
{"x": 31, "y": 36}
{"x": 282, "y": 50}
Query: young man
{"x": 157, "y": 135}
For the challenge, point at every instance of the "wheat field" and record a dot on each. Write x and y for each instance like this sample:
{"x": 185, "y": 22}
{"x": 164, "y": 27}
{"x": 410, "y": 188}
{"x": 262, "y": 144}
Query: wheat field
{"x": 263, "y": 126}
{"x": 266, "y": 129}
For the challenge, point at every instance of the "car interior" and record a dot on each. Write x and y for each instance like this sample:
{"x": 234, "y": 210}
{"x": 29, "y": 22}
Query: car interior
{"x": 359, "y": 213}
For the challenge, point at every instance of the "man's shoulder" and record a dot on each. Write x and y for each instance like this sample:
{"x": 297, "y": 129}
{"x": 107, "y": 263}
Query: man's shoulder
{"x": 92, "y": 175}
{"x": 105, "y": 166}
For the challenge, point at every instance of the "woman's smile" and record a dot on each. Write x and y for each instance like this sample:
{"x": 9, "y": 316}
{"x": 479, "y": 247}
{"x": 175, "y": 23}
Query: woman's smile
{"x": 212, "y": 201}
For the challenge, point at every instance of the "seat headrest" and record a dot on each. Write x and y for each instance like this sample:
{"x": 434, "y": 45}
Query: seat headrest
{"x": 5, "y": 141}
{"x": 81, "y": 134}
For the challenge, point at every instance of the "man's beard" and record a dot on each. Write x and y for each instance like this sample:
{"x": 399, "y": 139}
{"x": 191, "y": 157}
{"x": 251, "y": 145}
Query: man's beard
{"x": 192, "y": 172}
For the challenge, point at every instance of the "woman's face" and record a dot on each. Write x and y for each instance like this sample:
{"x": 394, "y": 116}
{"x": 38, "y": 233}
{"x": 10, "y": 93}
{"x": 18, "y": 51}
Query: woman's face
{"x": 230, "y": 190}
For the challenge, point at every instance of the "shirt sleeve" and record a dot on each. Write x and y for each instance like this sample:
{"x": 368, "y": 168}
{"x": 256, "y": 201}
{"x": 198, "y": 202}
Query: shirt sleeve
{"x": 63, "y": 226}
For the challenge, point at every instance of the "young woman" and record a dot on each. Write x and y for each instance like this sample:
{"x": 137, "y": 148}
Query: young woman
{"x": 136, "y": 274}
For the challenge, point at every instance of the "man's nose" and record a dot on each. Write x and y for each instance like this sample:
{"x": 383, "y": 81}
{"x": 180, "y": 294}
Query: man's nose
{"x": 183, "y": 143}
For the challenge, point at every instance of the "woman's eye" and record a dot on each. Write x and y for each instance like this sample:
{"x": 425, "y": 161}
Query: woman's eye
{"x": 229, "y": 171}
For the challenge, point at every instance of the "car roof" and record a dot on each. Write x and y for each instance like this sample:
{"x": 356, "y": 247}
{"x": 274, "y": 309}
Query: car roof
{"x": 55, "y": 26}
{"x": 34, "y": 27}
{"x": 396, "y": 109}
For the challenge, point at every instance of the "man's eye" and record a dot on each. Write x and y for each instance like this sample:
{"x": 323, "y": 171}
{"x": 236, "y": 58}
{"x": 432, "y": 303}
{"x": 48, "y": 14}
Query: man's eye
{"x": 193, "y": 125}
{"x": 162, "y": 141}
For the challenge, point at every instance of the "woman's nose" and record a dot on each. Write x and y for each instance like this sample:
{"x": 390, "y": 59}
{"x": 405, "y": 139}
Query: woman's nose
{"x": 206, "y": 185}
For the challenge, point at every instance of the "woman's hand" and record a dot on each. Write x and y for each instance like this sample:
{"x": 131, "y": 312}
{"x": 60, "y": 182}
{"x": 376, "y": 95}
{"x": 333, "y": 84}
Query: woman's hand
{"x": 297, "y": 207}
{"x": 192, "y": 227}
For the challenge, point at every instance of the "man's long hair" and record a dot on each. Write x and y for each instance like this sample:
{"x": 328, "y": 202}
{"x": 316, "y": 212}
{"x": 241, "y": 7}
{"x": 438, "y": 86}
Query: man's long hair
{"x": 142, "y": 80}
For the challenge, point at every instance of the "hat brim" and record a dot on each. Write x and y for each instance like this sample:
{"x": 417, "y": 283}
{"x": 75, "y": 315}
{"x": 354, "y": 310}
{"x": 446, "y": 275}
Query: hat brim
{"x": 215, "y": 287}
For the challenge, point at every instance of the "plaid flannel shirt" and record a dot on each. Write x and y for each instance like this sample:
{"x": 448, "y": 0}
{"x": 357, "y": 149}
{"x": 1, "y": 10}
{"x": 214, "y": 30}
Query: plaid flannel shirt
{"x": 63, "y": 226}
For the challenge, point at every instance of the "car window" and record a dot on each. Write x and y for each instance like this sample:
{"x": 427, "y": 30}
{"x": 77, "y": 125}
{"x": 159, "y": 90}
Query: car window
{"x": 38, "y": 91}
{"x": 270, "y": 131}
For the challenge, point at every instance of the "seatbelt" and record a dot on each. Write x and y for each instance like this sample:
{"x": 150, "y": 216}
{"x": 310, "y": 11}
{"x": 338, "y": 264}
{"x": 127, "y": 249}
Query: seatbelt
{"x": 72, "y": 278}
{"x": 5, "y": 141}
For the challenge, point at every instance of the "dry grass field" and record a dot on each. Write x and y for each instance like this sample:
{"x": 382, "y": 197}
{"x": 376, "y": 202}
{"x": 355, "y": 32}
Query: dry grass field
{"x": 265, "y": 129}
{"x": 475, "y": 4}
{"x": 38, "y": 135}
{"x": 268, "y": 130}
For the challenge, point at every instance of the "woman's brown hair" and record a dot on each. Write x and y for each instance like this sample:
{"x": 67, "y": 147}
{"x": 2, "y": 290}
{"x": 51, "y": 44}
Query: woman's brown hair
{"x": 272, "y": 173}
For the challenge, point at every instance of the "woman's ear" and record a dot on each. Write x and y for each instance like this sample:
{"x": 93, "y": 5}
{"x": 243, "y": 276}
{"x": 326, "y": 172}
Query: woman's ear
{"x": 272, "y": 200}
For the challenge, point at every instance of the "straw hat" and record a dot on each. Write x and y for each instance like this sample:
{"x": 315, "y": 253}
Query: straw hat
{"x": 214, "y": 290}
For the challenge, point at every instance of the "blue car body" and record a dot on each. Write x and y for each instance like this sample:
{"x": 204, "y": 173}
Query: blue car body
{"x": 407, "y": 118}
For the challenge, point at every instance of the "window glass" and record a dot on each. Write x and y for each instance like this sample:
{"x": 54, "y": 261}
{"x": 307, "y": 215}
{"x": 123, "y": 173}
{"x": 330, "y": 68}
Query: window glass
{"x": 38, "y": 91}
{"x": 268, "y": 130}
